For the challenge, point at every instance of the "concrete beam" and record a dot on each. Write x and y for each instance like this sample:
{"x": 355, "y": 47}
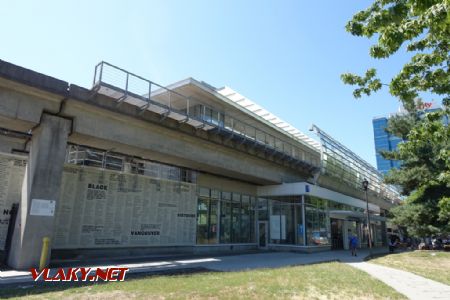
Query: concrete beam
{"x": 103, "y": 129}
{"x": 22, "y": 106}
{"x": 10, "y": 144}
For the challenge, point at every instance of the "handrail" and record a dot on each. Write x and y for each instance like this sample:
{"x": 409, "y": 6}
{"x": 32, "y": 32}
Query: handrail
{"x": 208, "y": 115}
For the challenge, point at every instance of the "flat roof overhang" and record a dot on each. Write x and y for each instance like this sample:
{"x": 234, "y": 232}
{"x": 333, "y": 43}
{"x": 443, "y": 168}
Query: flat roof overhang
{"x": 305, "y": 188}
{"x": 199, "y": 90}
{"x": 349, "y": 215}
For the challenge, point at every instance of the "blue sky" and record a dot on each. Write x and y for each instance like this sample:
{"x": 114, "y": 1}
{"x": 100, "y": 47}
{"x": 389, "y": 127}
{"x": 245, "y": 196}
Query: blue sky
{"x": 285, "y": 55}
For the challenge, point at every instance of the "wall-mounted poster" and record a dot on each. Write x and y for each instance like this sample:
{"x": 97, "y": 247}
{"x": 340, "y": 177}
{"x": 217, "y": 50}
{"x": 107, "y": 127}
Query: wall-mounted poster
{"x": 12, "y": 170}
{"x": 103, "y": 208}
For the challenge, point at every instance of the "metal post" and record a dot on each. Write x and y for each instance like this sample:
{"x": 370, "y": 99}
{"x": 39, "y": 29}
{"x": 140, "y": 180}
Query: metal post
{"x": 369, "y": 235}
{"x": 303, "y": 220}
{"x": 219, "y": 215}
{"x": 294, "y": 206}
{"x": 101, "y": 73}
{"x": 187, "y": 107}
{"x": 368, "y": 226}
{"x": 149, "y": 91}
{"x": 43, "y": 262}
{"x": 126, "y": 84}
{"x": 203, "y": 113}
{"x": 95, "y": 75}
{"x": 170, "y": 100}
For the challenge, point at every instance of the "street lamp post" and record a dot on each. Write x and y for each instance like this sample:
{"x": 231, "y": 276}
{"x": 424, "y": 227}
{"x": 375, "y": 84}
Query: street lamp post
{"x": 365, "y": 184}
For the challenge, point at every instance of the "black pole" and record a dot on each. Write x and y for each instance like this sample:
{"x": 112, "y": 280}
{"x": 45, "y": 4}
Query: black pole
{"x": 368, "y": 226}
{"x": 369, "y": 234}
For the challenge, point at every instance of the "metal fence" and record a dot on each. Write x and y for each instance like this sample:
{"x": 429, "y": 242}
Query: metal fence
{"x": 85, "y": 156}
{"x": 131, "y": 88}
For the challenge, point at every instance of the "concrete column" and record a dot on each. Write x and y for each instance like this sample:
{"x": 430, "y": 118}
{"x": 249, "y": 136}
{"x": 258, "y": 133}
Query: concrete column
{"x": 42, "y": 180}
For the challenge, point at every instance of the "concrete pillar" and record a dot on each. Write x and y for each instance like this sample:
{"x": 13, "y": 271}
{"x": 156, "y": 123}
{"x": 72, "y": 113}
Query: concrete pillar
{"x": 42, "y": 181}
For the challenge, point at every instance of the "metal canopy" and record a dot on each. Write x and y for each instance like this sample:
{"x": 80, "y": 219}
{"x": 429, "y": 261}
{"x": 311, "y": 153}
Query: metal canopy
{"x": 355, "y": 214}
{"x": 267, "y": 116}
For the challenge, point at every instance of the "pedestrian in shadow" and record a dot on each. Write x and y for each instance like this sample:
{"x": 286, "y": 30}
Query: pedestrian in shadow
{"x": 392, "y": 243}
{"x": 352, "y": 242}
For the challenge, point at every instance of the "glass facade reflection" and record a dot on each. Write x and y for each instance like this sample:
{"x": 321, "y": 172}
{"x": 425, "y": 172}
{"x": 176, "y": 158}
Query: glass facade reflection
{"x": 285, "y": 221}
{"x": 317, "y": 221}
{"x": 231, "y": 218}
{"x": 225, "y": 217}
{"x": 384, "y": 142}
{"x": 387, "y": 142}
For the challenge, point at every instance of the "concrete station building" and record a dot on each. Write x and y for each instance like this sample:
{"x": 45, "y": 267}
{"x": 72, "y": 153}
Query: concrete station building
{"x": 131, "y": 168}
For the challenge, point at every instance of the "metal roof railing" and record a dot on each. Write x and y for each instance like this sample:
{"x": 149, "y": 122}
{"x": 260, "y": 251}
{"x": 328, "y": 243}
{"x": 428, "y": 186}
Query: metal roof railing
{"x": 127, "y": 87}
{"x": 342, "y": 163}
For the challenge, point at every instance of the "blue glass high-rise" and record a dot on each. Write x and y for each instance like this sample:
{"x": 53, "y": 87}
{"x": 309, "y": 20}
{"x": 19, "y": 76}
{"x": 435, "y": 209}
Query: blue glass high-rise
{"x": 384, "y": 142}
{"x": 387, "y": 142}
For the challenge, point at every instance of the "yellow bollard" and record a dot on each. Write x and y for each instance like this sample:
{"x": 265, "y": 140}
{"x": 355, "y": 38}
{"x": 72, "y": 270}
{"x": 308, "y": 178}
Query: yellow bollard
{"x": 44, "y": 253}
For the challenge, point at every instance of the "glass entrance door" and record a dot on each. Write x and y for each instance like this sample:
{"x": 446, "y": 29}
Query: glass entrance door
{"x": 336, "y": 234}
{"x": 262, "y": 234}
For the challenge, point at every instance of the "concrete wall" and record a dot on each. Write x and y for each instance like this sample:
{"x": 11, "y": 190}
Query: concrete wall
{"x": 225, "y": 184}
{"x": 107, "y": 130}
{"x": 109, "y": 209}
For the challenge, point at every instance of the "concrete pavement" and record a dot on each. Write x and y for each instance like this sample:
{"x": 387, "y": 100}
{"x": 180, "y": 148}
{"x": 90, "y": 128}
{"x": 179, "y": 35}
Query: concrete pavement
{"x": 410, "y": 285}
{"x": 214, "y": 263}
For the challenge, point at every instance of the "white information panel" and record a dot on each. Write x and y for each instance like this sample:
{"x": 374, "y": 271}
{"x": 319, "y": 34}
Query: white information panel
{"x": 41, "y": 207}
{"x": 278, "y": 227}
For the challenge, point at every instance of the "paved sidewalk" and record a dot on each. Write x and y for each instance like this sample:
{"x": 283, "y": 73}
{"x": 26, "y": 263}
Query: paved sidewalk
{"x": 213, "y": 263}
{"x": 410, "y": 285}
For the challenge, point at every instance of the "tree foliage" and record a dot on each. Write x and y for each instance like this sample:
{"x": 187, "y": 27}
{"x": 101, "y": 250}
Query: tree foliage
{"x": 424, "y": 177}
{"x": 424, "y": 28}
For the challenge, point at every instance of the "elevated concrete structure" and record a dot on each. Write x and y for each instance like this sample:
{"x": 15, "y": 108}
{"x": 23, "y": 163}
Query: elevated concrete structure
{"x": 232, "y": 153}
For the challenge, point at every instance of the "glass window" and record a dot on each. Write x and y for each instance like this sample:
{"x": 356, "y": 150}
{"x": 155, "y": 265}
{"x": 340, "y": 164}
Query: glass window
{"x": 202, "y": 221}
{"x": 225, "y": 218}
{"x": 236, "y": 218}
{"x": 252, "y": 219}
{"x": 285, "y": 220}
{"x": 317, "y": 221}
{"x": 207, "y": 210}
{"x": 276, "y": 222}
{"x": 215, "y": 194}
{"x": 245, "y": 220}
{"x": 299, "y": 225}
{"x": 212, "y": 228}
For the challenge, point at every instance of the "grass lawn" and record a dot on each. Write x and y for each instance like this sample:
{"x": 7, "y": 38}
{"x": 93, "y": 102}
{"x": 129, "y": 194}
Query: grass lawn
{"x": 319, "y": 281}
{"x": 430, "y": 264}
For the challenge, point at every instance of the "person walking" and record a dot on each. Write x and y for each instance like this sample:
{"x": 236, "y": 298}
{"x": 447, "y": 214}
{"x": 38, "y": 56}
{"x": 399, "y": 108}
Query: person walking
{"x": 353, "y": 242}
{"x": 392, "y": 243}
